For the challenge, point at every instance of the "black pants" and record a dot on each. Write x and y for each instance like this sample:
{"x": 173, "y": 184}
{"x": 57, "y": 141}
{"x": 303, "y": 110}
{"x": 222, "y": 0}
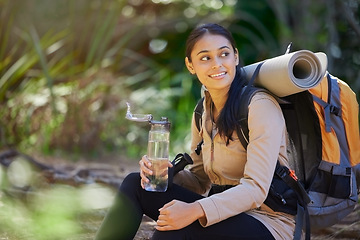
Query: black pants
{"x": 124, "y": 217}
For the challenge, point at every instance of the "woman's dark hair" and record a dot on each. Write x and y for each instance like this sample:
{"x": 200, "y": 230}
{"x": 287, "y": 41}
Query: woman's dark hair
{"x": 199, "y": 31}
{"x": 227, "y": 121}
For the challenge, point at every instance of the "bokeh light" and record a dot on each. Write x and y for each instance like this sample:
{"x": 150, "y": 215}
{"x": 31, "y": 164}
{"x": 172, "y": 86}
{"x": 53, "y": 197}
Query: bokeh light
{"x": 95, "y": 196}
{"x": 19, "y": 173}
{"x": 157, "y": 45}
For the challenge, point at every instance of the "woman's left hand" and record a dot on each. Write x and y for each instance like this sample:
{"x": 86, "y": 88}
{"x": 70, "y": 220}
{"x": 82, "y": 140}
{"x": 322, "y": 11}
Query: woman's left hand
{"x": 177, "y": 214}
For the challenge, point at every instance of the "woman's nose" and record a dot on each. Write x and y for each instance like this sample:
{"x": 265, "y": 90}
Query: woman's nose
{"x": 216, "y": 63}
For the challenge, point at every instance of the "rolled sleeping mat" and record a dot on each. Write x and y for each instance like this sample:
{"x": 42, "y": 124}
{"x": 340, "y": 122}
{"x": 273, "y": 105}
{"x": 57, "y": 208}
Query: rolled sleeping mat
{"x": 290, "y": 73}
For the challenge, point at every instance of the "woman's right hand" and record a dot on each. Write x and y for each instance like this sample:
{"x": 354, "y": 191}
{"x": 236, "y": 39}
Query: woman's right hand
{"x": 145, "y": 169}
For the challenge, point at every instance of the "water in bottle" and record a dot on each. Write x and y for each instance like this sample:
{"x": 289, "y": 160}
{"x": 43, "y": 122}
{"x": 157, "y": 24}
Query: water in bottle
{"x": 158, "y": 154}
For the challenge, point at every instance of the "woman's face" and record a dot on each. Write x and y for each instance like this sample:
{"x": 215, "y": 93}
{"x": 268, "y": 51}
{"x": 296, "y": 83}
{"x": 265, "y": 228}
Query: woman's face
{"x": 214, "y": 61}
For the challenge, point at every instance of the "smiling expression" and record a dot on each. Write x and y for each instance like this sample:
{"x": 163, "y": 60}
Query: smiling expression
{"x": 213, "y": 60}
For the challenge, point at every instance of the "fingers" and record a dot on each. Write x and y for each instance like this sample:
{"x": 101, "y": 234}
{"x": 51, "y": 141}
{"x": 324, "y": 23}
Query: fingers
{"x": 164, "y": 223}
{"x": 145, "y": 164}
{"x": 161, "y": 221}
{"x": 163, "y": 209}
{"x": 143, "y": 177}
{"x": 145, "y": 170}
{"x": 164, "y": 228}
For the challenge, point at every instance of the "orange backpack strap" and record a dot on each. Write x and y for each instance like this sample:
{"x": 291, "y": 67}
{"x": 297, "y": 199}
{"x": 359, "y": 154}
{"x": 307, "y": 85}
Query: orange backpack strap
{"x": 328, "y": 106}
{"x": 334, "y": 97}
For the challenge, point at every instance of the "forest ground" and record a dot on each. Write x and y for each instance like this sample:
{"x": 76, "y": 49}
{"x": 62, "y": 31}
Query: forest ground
{"x": 111, "y": 170}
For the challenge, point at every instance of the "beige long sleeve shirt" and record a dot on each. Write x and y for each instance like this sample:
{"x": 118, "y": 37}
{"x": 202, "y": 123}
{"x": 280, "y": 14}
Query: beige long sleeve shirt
{"x": 251, "y": 171}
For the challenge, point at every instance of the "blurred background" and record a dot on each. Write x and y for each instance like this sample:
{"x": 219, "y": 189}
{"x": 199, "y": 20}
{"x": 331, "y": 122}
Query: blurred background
{"x": 67, "y": 69}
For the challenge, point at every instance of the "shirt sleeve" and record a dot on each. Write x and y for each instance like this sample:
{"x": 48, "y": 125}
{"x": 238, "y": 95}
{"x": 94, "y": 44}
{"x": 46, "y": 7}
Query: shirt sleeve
{"x": 266, "y": 135}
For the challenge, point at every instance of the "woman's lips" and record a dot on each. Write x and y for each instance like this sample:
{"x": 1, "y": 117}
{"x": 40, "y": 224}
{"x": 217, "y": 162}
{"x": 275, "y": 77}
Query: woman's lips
{"x": 218, "y": 75}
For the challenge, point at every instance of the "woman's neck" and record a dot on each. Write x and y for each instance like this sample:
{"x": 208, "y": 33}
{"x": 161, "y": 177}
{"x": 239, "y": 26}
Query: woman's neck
{"x": 219, "y": 98}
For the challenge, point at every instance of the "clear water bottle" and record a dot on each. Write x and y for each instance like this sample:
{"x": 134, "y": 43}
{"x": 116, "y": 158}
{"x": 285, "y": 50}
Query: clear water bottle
{"x": 158, "y": 154}
{"x": 158, "y": 149}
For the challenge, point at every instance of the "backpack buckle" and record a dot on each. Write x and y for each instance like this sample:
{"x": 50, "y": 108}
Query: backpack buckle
{"x": 293, "y": 175}
{"x": 199, "y": 147}
{"x": 281, "y": 171}
{"x": 335, "y": 110}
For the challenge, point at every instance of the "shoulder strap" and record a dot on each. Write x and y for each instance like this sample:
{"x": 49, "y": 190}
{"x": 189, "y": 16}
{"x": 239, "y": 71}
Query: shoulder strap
{"x": 302, "y": 215}
{"x": 246, "y": 95}
{"x": 329, "y": 107}
{"x": 198, "y": 111}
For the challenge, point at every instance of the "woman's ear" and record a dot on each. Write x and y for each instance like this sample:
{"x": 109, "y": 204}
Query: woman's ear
{"x": 236, "y": 57}
{"x": 189, "y": 66}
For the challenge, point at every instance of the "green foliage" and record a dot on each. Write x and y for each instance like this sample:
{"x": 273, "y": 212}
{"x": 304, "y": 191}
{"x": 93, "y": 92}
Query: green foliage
{"x": 68, "y": 67}
{"x": 30, "y": 208}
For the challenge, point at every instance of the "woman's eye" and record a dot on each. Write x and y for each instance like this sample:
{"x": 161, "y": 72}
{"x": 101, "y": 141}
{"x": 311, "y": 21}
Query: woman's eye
{"x": 224, "y": 54}
{"x": 205, "y": 58}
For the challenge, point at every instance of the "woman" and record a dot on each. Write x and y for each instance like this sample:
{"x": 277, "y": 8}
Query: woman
{"x": 182, "y": 212}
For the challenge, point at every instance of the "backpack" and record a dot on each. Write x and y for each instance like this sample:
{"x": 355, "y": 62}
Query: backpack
{"x": 323, "y": 149}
